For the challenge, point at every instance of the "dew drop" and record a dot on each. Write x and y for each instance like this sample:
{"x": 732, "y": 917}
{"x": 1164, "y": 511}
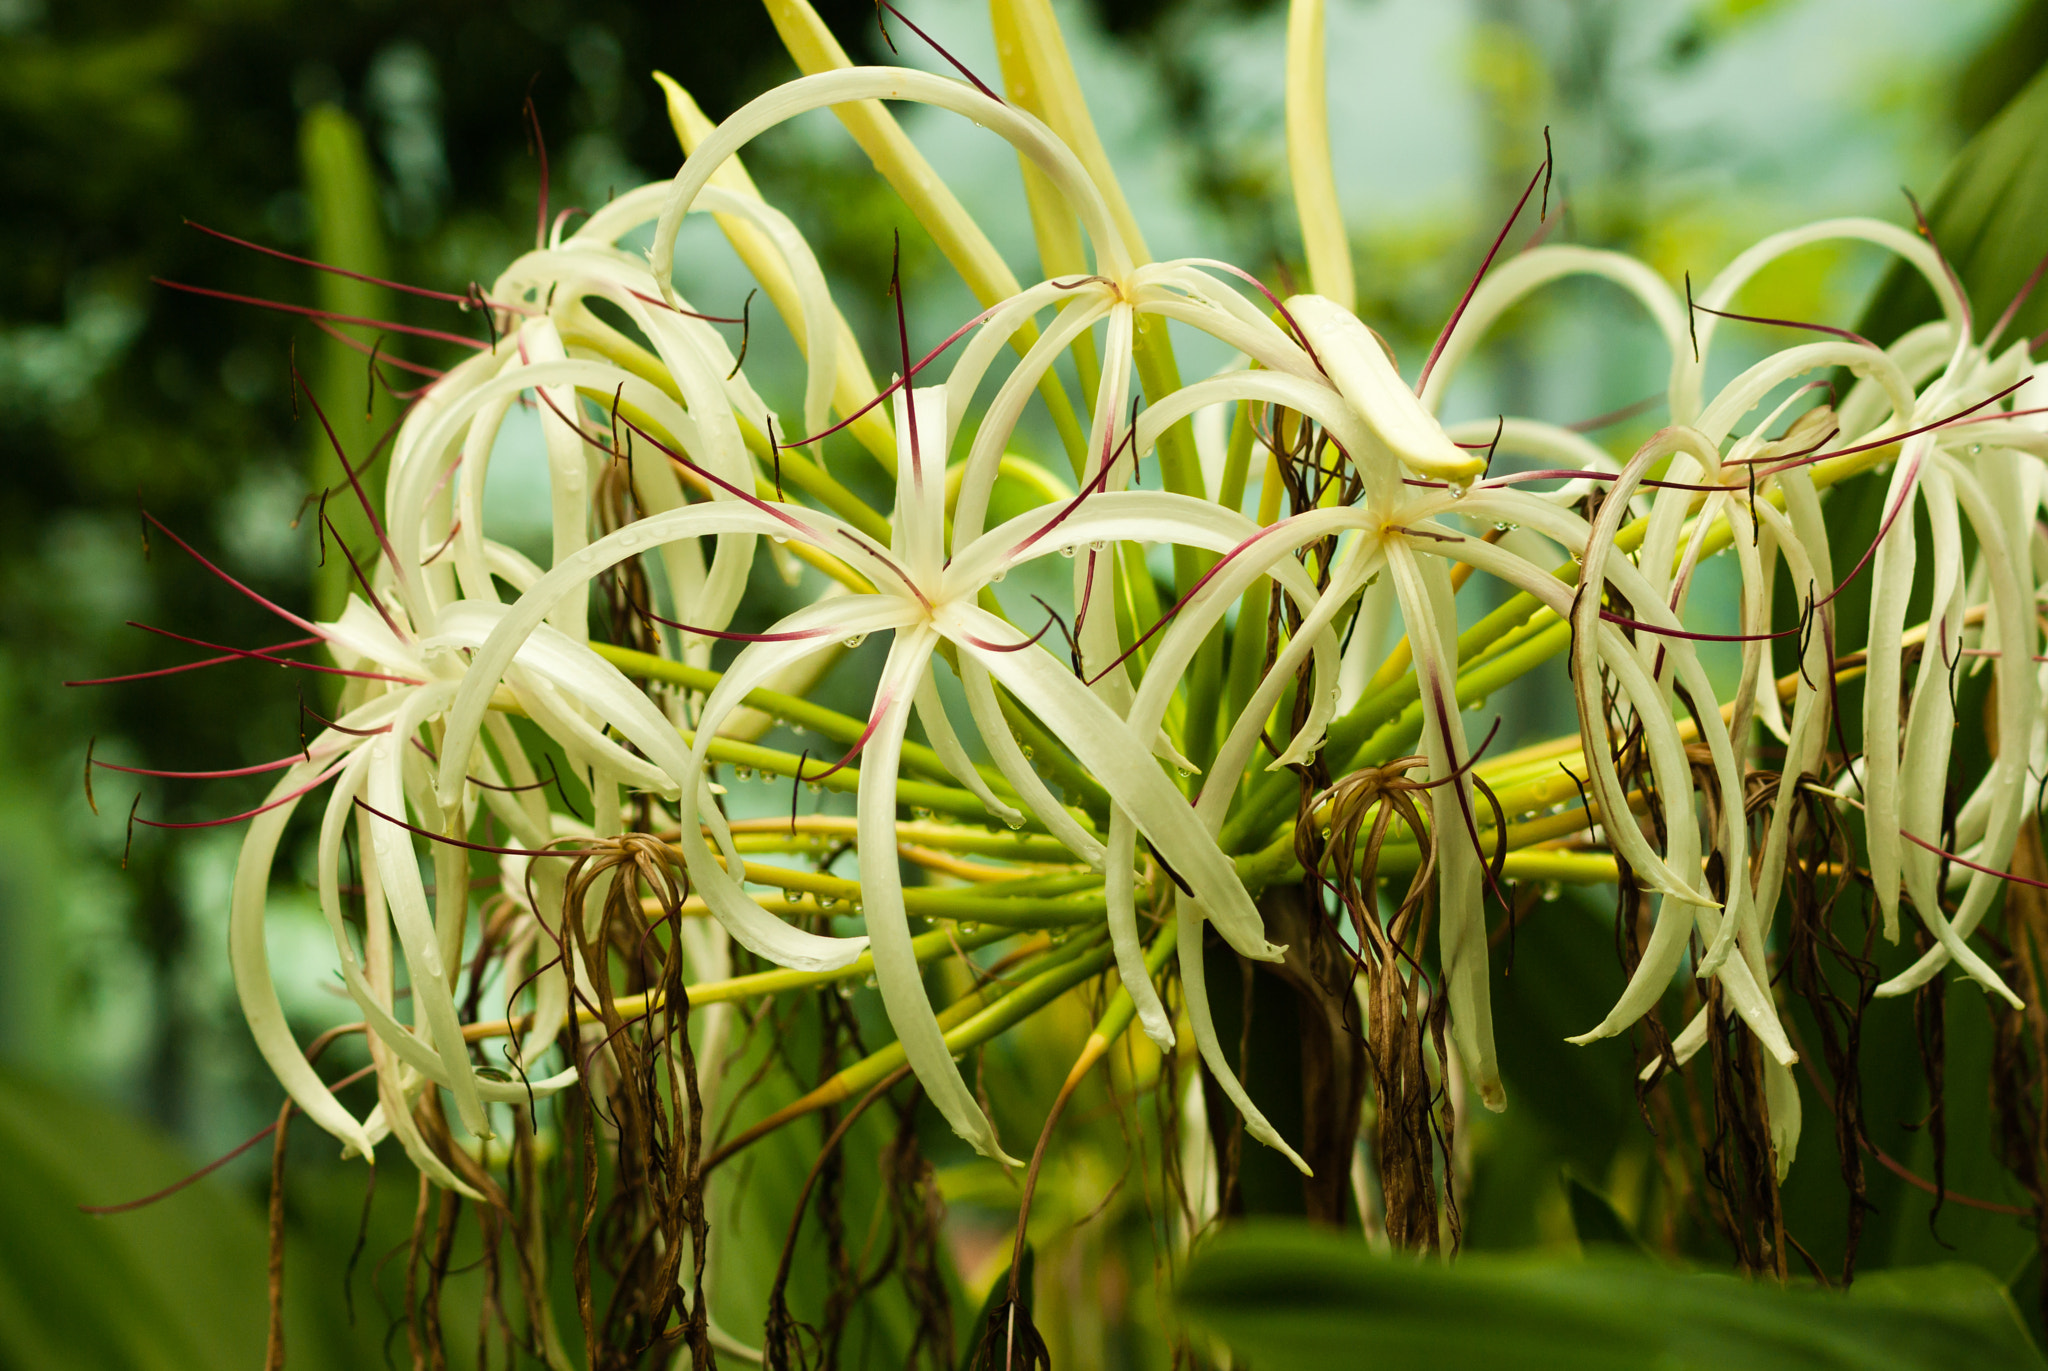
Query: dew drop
{"x": 856, "y": 640}
{"x": 999, "y": 573}
{"x": 1067, "y": 551}
{"x": 1098, "y": 545}
{"x": 1028, "y": 753}
{"x": 815, "y": 787}
{"x": 743, "y": 773}
{"x": 1552, "y": 891}
{"x": 778, "y": 538}
{"x": 1013, "y": 824}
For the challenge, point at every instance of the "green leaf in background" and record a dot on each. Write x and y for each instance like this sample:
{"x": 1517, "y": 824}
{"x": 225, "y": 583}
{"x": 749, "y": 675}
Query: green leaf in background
{"x": 178, "y": 1285}
{"x": 1988, "y": 218}
{"x": 1595, "y": 1218}
{"x": 341, "y": 189}
{"x": 1286, "y": 1296}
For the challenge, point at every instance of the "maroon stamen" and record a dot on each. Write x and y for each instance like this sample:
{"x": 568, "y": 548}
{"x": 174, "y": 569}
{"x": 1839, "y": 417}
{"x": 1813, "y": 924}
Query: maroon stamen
{"x": 1788, "y": 323}
{"x": 278, "y": 610}
{"x": 325, "y": 722}
{"x": 421, "y": 291}
{"x": 355, "y": 567}
{"x": 1615, "y": 416}
{"x": 1271, "y": 299}
{"x": 361, "y": 803}
{"x": 882, "y": 703}
{"x": 257, "y": 770}
{"x": 191, "y": 666}
{"x": 933, "y": 43}
{"x": 355, "y": 482}
{"x": 439, "y": 335}
{"x": 903, "y": 339}
{"x": 322, "y": 779}
{"x": 276, "y": 661}
{"x": 726, "y": 635}
{"x": 660, "y": 303}
{"x": 536, "y": 143}
{"x": 1443, "y": 339}
{"x": 563, "y": 218}
{"x": 1991, "y": 338}
{"x": 1954, "y": 281}
{"x": 446, "y": 543}
{"x": 955, "y": 336}
{"x": 1909, "y": 433}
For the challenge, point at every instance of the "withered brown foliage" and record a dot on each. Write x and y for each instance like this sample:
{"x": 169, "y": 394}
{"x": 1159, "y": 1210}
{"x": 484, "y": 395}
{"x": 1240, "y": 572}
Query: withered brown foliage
{"x": 1404, "y": 1030}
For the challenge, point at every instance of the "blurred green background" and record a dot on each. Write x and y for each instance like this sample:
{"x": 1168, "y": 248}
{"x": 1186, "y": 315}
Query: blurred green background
{"x": 387, "y": 134}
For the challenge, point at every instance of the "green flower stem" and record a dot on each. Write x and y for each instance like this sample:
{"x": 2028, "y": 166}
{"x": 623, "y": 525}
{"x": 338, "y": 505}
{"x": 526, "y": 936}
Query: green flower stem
{"x": 819, "y": 831}
{"x": 939, "y": 799}
{"x": 928, "y": 947}
{"x": 1034, "y": 902}
{"x": 1276, "y": 864}
{"x": 840, "y": 728}
{"x": 988, "y": 1011}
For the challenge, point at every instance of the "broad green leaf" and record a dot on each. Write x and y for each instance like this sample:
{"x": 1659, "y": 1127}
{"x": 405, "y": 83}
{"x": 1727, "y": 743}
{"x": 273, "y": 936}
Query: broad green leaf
{"x": 176, "y": 1285}
{"x": 1986, "y": 217}
{"x": 1286, "y": 1296}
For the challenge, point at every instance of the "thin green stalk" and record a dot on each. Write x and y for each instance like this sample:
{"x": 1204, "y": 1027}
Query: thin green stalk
{"x": 840, "y": 728}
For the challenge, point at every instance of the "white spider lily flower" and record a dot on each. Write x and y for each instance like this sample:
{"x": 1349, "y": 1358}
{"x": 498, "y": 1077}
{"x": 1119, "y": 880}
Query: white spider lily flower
{"x": 924, "y": 599}
{"x": 692, "y": 393}
{"x": 379, "y": 768}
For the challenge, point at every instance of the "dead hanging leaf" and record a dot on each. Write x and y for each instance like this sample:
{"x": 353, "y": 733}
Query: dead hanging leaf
{"x": 1406, "y": 1016}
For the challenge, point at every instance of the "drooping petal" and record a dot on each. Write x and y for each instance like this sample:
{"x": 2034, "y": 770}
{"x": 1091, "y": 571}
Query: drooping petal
{"x": 897, "y": 973}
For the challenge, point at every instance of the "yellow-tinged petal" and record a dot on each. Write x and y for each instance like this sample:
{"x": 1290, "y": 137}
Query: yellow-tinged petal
{"x": 1359, "y": 367}
{"x": 1308, "y": 157}
{"x": 1062, "y": 106}
{"x": 854, "y": 386}
{"x": 815, "y": 50}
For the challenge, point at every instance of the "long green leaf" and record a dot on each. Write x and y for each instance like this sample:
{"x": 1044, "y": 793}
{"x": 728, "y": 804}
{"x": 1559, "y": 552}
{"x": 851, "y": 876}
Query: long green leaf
{"x": 1288, "y": 1296}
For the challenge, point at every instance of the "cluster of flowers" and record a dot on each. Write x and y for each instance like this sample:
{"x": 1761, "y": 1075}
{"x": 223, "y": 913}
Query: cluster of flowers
{"x": 451, "y": 634}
